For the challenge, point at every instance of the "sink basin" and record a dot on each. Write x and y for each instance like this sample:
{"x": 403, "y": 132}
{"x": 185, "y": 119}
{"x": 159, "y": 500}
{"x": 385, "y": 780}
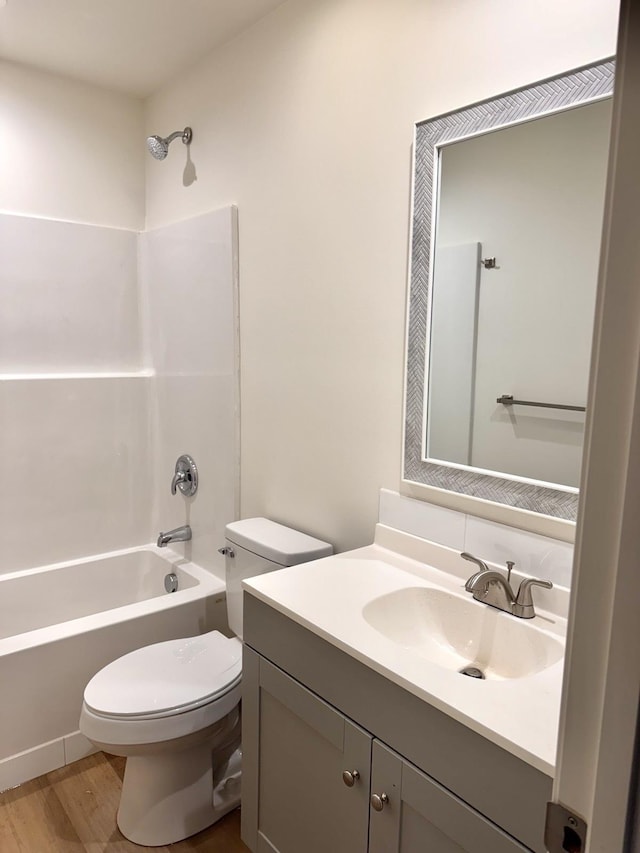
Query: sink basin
{"x": 455, "y": 633}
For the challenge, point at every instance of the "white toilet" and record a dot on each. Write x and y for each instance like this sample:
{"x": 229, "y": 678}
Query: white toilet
{"x": 173, "y": 708}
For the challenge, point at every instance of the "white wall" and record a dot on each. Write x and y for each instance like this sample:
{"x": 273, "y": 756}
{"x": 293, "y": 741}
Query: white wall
{"x": 533, "y": 196}
{"x": 70, "y": 150}
{"x": 306, "y": 122}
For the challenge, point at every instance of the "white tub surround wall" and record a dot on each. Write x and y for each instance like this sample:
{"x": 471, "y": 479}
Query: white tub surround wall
{"x": 189, "y": 275}
{"x": 117, "y": 355}
{"x": 306, "y": 120}
{"x": 70, "y": 298}
{"x": 73, "y": 392}
{"x": 80, "y": 457}
{"x": 70, "y": 150}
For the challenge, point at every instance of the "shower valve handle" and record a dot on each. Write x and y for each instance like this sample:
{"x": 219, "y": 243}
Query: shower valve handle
{"x": 178, "y": 477}
{"x": 185, "y": 477}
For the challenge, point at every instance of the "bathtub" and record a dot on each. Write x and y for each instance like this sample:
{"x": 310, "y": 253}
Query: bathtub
{"x": 60, "y": 624}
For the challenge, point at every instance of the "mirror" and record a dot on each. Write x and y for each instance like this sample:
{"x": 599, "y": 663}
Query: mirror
{"x": 507, "y": 219}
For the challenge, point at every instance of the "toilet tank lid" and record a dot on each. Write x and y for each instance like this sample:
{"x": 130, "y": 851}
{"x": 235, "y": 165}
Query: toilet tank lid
{"x": 276, "y": 542}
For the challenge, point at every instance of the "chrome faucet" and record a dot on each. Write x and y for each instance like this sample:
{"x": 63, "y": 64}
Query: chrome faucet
{"x": 180, "y": 534}
{"x": 492, "y": 588}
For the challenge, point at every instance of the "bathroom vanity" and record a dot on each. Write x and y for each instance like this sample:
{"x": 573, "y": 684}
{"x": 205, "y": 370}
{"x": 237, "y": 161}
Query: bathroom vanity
{"x": 362, "y": 735}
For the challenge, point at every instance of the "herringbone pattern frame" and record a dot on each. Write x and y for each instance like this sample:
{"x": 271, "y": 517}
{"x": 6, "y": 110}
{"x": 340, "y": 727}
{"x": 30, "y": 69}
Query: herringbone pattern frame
{"x": 580, "y": 87}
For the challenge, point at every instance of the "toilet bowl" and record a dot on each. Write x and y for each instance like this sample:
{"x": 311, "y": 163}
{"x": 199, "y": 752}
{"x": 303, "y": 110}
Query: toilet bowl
{"x": 167, "y": 708}
{"x": 173, "y": 708}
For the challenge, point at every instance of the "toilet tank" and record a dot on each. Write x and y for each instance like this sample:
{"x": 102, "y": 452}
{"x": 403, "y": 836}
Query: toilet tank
{"x": 257, "y": 545}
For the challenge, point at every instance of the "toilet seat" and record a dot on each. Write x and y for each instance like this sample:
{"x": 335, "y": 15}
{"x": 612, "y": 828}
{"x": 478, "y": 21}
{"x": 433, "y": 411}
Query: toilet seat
{"x": 163, "y": 693}
{"x": 166, "y": 679}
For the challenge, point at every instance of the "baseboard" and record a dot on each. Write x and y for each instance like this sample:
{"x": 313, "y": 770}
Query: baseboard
{"x": 27, "y": 765}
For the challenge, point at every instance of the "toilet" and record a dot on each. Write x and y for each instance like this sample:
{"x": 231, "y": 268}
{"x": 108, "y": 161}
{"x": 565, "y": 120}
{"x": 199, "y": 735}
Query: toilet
{"x": 173, "y": 708}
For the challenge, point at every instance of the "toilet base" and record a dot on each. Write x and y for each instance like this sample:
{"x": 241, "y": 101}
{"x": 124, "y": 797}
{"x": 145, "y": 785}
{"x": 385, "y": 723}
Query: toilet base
{"x": 166, "y": 798}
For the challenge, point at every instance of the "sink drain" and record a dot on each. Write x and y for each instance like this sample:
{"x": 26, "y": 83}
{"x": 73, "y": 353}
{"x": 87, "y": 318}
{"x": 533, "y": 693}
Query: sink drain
{"x": 472, "y": 672}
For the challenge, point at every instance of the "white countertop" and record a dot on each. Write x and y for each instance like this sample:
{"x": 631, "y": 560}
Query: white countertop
{"x": 328, "y": 596}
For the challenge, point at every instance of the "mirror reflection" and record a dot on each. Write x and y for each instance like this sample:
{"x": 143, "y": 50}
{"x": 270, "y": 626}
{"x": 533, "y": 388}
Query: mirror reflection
{"x": 517, "y": 239}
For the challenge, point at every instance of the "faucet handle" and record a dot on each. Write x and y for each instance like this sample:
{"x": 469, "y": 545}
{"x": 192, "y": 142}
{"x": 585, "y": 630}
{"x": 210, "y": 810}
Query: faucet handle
{"x": 481, "y": 563}
{"x": 185, "y": 477}
{"x": 178, "y": 477}
{"x": 524, "y": 599}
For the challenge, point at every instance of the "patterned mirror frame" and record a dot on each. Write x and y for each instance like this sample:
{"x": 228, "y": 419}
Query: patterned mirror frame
{"x": 586, "y": 85}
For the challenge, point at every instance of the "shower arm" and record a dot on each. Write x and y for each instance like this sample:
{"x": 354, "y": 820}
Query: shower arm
{"x": 184, "y": 134}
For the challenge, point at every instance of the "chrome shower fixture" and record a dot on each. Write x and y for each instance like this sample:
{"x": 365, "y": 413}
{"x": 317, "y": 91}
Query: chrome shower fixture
{"x": 159, "y": 147}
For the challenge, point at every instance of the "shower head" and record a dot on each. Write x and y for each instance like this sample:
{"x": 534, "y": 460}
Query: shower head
{"x": 159, "y": 147}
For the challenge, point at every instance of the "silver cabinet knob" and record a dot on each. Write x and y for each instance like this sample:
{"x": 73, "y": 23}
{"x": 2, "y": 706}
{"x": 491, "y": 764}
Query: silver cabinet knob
{"x": 378, "y": 801}
{"x": 350, "y": 777}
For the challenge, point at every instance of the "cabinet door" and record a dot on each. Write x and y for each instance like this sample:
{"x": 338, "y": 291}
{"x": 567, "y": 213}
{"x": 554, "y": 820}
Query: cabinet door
{"x": 302, "y": 746}
{"x": 421, "y": 816}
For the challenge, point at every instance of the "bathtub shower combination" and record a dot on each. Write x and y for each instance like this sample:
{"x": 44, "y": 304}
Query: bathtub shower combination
{"x": 60, "y": 624}
{"x": 89, "y": 378}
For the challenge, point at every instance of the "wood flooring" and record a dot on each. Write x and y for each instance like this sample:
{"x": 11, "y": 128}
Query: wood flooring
{"x": 73, "y": 810}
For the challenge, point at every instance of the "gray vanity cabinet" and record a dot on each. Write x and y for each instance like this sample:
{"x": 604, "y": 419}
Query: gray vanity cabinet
{"x": 303, "y": 747}
{"x": 312, "y": 713}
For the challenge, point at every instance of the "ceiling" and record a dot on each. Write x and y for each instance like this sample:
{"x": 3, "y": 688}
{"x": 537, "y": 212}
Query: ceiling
{"x": 133, "y": 46}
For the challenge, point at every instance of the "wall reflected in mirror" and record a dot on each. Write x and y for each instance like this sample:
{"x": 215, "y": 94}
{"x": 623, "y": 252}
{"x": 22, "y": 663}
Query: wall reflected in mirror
{"x": 530, "y": 195}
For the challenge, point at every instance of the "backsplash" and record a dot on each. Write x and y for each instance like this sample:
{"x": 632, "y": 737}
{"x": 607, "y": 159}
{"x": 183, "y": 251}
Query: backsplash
{"x": 533, "y": 555}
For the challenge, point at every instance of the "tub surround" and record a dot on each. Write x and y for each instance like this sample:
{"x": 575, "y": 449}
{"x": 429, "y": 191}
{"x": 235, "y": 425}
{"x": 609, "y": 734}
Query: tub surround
{"x": 74, "y": 392}
{"x": 97, "y": 369}
{"x": 82, "y": 446}
{"x": 189, "y": 275}
{"x": 73, "y": 294}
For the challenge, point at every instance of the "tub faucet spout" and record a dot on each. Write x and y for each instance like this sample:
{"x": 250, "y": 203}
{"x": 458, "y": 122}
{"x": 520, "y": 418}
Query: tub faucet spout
{"x": 180, "y": 534}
